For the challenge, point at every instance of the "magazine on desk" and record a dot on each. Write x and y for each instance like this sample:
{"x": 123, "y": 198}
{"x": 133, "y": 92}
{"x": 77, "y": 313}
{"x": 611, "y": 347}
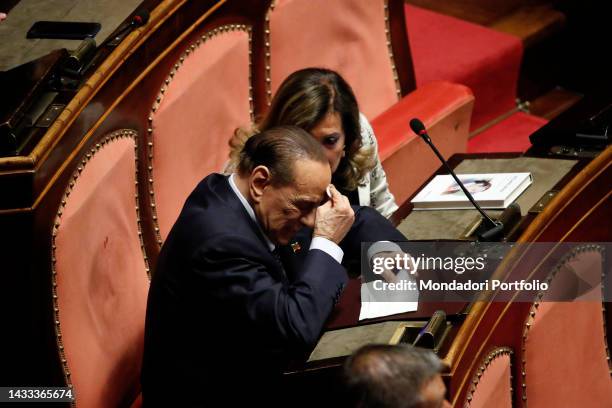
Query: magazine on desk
{"x": 490, "y": 190}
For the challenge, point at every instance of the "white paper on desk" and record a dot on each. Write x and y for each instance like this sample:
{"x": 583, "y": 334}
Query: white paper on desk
{"x": 372, "y": 306}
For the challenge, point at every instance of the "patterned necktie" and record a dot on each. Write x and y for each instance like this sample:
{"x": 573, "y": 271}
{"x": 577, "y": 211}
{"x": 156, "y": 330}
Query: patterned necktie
{"x": 277, "y": 256}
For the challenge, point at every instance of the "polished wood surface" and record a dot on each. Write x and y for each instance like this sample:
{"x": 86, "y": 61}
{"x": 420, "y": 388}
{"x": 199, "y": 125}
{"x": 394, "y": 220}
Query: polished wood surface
{"x": 579, "y": 213}
{"x": 119, "y": 94}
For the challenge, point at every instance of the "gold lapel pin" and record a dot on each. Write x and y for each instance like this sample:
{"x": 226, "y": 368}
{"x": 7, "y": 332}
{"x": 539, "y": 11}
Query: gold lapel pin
{"x": 296, "y": 247}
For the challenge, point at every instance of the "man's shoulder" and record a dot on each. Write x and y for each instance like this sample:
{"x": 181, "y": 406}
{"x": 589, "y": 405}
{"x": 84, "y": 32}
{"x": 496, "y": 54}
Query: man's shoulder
{"x": 212, "y": 195}
{"x": 211, "y": 210}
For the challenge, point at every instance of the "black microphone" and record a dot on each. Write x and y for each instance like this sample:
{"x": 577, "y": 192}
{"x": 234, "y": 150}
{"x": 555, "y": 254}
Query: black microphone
{"x": 138, "y": 20}
{"x": 490, "y": 230}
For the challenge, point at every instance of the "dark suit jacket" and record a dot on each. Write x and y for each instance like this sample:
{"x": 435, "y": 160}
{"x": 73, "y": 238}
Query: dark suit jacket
{"x": 222, "y": 313}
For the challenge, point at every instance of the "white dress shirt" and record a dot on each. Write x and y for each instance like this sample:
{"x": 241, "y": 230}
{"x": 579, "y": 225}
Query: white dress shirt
{"x": 323, "y": 244}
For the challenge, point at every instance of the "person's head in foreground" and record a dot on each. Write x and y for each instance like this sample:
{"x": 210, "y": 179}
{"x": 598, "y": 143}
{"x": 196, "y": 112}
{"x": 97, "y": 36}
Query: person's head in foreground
{"x": 394, "y": 376}
{"x": 285, "y": 174}
{"x": 321, "y": 102}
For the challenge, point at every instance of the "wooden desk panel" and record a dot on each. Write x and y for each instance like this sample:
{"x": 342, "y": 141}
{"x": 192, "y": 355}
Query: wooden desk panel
{"x": 575, "y": 214}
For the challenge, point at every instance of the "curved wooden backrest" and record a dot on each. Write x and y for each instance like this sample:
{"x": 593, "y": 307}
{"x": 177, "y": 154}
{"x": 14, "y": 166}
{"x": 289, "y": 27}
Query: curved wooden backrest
{"x": 566, "y": 360}
{"x": 492, "y": 381}
{"x": 100, "y": 280}
{"x": 555, "y": 343}
{"x": 205, "y": 97}
{"x": 352, "y": 37}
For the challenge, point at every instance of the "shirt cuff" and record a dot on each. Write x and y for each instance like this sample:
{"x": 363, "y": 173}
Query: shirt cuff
{"x": 329, "y": 247}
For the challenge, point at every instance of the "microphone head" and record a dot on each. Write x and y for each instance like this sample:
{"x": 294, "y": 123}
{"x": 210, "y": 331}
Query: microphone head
{"x": 140, "y": 18}
{"x": 417, "y": 127}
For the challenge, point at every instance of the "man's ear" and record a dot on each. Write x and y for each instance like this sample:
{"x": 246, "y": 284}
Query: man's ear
{"x": 259, "y": 180}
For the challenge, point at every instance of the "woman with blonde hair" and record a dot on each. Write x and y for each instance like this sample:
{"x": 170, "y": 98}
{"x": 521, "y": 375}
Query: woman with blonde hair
{"x": 321, "y": 102}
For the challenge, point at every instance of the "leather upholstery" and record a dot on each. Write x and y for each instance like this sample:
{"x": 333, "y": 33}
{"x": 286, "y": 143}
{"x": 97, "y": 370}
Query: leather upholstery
{"x": 356, "y": 47}
{"x": 494, "y": 386}
{"x": 101, "y": 280}
{"x": 455, "y": 50}
{"x": 346, "y": 36}
{"x": 445, "y": 109}
{"x": 565, "y": 350}
{"x": 206, "y": 100}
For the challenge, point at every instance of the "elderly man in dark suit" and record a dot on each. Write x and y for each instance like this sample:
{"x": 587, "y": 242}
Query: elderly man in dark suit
{"x": 224, "y": 314}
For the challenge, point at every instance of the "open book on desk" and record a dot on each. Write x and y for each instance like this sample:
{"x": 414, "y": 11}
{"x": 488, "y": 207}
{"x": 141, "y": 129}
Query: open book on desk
{"x": 490, "y": 190}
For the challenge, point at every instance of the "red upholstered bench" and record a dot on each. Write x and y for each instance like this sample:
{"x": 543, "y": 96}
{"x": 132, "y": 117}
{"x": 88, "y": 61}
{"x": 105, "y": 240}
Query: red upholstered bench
{"x": 445, "y": 109}
{"x": 509, "y": 135}
{"x": 450, "y": 49}
{"x": 487, "y": 61}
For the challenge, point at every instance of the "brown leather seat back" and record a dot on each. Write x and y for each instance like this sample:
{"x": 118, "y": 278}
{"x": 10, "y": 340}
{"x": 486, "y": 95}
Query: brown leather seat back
{"x": 100, "y": 276}
{"x": 566, "y": 358}
{"x": 205, "y": 97}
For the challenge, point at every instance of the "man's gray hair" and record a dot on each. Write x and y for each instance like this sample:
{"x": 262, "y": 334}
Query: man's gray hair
{"x": 278, "y": 149}
{"x": 383, "y": 375}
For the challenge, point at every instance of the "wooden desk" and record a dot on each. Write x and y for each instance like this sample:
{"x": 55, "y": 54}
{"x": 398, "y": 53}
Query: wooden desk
{"x": 346, "y": 313}
{"x": 574, "y": 215}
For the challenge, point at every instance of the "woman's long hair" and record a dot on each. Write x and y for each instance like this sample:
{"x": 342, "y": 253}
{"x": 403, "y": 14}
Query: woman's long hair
{"x": 304, "y": 99}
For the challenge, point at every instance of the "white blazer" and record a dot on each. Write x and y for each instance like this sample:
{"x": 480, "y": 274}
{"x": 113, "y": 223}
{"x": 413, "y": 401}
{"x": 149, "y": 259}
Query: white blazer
{"x": 373, "y": 190}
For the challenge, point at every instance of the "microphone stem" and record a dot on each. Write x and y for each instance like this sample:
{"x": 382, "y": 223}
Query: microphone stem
{"x": 487, "y": 219}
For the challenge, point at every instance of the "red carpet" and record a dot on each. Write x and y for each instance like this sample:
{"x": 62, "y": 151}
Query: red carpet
{"x": 487, "y": 61}
{"x": 509, "y": 135}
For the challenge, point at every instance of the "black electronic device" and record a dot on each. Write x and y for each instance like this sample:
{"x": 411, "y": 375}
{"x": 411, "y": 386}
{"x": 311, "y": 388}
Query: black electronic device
{"x": 585, "y": 126}
{"x": 68, "y": 30}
